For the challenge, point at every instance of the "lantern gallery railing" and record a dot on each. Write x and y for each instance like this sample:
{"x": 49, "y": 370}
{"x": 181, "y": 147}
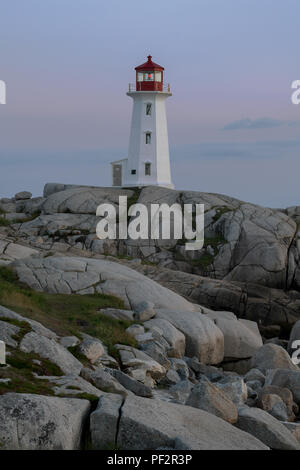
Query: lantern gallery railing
{"x": 138, "y": 87}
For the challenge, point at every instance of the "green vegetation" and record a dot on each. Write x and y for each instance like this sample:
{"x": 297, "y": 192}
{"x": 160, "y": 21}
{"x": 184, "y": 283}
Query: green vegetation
{"x": 31, "y": 217}
{"x": 21, "y": 373}
{"x": 24, "y": 327}
{"x": 219, "y": 212}
{"x": 203, "y": 262}
{"x": 206, "y": 259}
{"x": 84, "y": 396}
{"x": 25, "y": 361}
{"x": 66, "y": 314}
{"x": 214, "y": 242}
{"x": 134, "y": 198}
{"x": 4, "y": 222}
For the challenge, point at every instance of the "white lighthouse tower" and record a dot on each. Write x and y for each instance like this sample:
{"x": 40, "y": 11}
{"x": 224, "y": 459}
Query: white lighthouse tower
{"x": 148, "y": 161}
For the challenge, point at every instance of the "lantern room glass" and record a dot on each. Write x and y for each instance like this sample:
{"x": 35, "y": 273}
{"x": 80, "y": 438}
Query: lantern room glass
{"x": 149, "y": 76}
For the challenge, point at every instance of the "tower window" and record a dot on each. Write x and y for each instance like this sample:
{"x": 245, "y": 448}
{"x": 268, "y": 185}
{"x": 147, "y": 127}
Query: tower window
{"x": 149, "y": 76}
{"x": 148, "y": 137}
{"x": 147, "y": 169}
{"x": 148, "y": 109}
{"x": 158, "y": 76}
{"x": 133, "y": 172}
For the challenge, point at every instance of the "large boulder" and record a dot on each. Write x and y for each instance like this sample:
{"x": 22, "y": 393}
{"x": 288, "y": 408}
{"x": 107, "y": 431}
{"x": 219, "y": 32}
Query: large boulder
{"x": 294, "y": 428}
{"x": 285, "y": 378}
{"x": 91, "y": 348}
{"x": 265, "y": 305}
{"x": 72, "y": 385}
{"x": 174, "y": 337}
{"x": 130, "y": 384}
{"x": 275, "y": 406}
{"x": 10, "y": 251}
{"x": 272, "y": 356}
{"x": 285, "y": 395}
{"x": 234, "y": 388}
{"x": 206, "y": 396}
{"x": 142, "y": 424}
{"x": 102, "y": 380}
{"x": 51, "y": 350}
{"x": 59, "y": 224}
{"x": 241, "y": 337}
{"x": 23, "y": 195}
{"x": 80, "y": 199}
{"x": 203, "y": 338}
{"x": 65, "y": 275}
{"x": 37, "y": 327}
{"x": 34, "y": 422}
{"x": 266, "y": 428}
{"x": 139, "y": 365}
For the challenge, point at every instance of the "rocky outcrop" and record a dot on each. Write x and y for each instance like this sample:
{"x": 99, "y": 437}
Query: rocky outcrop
{"x": 249, "y": 264}
{"x": 34, "y": 422}
{"x": 266, "y": 306}
{"x": 266, "y": 428}
{"x": 68, "y": 275}
{"x": 140, "y": 424}
{"x": 206, "y": 396}
{"x": 203, "y": 338}
{"x": 244, "y": 242}
{"x": 271, "y": 356}
{"x": 231, "y": 304}
{"x": 82, "y": 275}
{"x": 285, "y": 378}
{"x": 50, "y": 349}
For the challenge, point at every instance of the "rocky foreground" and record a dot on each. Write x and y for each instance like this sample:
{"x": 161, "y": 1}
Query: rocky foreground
{"x": 141, "y": 344}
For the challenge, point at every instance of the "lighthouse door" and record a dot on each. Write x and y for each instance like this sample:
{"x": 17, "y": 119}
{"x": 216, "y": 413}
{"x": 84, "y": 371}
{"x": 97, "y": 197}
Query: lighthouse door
{"x": 117, "y": 175}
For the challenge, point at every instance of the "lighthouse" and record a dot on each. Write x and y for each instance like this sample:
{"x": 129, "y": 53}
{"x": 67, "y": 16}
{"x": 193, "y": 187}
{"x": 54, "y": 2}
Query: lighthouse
{"x": 148, "y": 161}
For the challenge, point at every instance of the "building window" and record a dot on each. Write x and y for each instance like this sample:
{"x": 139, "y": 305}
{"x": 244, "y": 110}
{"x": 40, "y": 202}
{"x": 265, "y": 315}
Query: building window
{"x": 148, "y": 137}
{"x": 158, "y": 76}
{"x": 140, "y": 76}
{"x": 149, "y": 77}
{"x": 148, "y": 109}
{"x": 133, "y": 172}
{"x": 147, "y": 169}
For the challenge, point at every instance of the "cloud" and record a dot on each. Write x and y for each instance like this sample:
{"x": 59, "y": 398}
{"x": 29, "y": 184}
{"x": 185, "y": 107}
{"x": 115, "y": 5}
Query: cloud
{"x": 261, "y": 123}
{"x": 258, "y": 150}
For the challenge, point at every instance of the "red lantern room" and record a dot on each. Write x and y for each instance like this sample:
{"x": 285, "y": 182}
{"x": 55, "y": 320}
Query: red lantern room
{"x": 149, "y": 76}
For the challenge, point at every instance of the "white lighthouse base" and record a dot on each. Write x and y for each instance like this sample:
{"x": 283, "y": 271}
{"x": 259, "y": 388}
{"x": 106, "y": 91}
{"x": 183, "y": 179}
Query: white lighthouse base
{"x": 119, "y": 177}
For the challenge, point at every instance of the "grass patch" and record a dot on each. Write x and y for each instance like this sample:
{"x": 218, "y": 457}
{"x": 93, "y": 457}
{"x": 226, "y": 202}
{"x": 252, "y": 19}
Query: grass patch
{"x": 65, "y": 314}
{"x": 214, "y": 242}
{"x": 206, "y": 259}
{"x": 220, "y": 211}
{"x": 23, "y": 325}
{"x": 31, "y": 217}
{"x": 84, "y": 396}
{"x": 24, "y": 361}
{"x": 134, "y": 198}
{"x": 4, "y": 222}
{"x": 21, "y": 375}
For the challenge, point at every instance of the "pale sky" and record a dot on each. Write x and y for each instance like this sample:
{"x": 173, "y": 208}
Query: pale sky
{"x": 230, "y": 63}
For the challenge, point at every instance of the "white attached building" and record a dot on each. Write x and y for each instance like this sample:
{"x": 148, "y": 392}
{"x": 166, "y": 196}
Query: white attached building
{"x": 148, "y": 161}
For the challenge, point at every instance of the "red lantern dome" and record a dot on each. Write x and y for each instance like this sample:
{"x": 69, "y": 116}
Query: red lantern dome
{"x": 149, "y": 76}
